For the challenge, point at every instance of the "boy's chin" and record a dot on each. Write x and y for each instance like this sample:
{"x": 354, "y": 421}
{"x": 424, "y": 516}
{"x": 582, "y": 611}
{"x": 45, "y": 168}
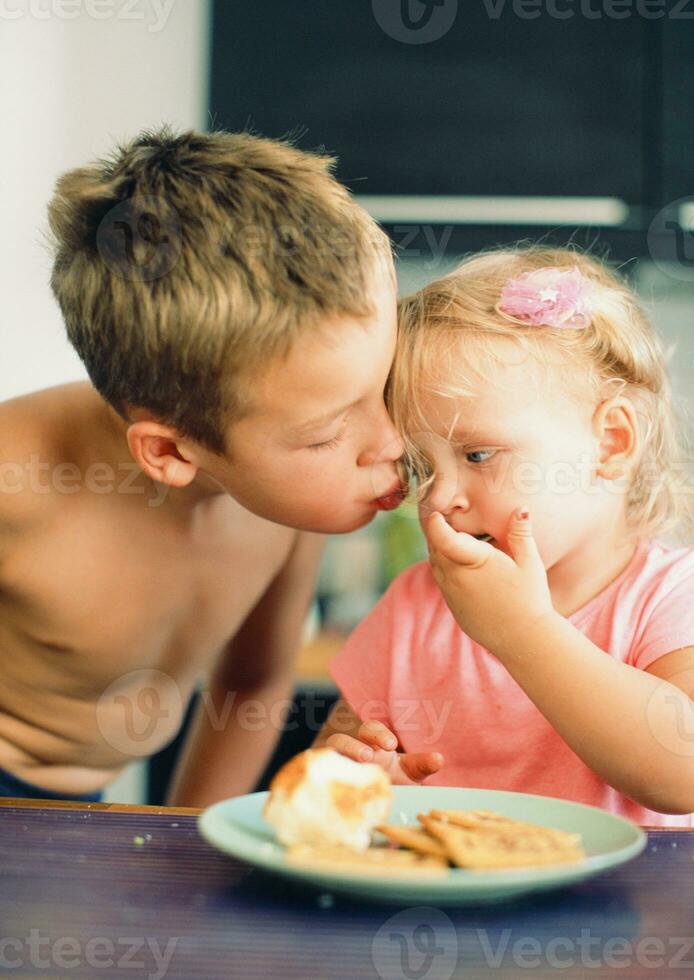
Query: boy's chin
{"x": 340, "y": 524}
{"x": 356, "y": 524}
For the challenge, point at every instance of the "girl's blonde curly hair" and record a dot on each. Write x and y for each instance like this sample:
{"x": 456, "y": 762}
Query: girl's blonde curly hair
{"x": 617, "y": 353}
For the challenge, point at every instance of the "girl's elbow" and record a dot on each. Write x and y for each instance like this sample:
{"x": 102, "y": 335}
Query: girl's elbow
{"x": 683, "y": 808}
{"x": 674, "y": 804}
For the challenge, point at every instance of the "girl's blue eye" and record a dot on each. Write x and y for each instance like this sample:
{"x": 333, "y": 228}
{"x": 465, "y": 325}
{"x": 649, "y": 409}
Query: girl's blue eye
{"x": 487, "y": 453}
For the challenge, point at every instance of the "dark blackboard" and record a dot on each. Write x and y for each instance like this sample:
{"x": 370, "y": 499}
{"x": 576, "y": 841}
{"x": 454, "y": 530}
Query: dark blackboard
{"x": 496, "y": 106}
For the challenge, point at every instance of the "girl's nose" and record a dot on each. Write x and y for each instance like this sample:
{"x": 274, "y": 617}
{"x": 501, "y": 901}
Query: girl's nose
{"x": 446, "y": 495}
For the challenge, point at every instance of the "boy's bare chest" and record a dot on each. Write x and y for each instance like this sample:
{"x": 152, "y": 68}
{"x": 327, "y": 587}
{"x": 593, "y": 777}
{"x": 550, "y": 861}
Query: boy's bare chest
{"x": 126, "y": 588}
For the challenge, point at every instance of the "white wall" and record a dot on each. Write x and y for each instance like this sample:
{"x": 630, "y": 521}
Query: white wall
{"x": 69, "y": 90}
{"x": 70, "y": 87}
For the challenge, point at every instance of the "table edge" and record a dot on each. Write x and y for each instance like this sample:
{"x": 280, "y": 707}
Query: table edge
{"x": 193, "y": 811}
{"x": 25, "y": 804}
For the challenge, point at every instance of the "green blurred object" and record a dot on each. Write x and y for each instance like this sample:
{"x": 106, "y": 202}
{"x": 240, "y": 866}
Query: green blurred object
{"x": 402, "y": 540}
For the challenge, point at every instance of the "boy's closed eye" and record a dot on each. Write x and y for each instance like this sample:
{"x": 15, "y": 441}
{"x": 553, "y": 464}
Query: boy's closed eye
{"x": 332, "y": 442}
{"x": 329, "y": 444}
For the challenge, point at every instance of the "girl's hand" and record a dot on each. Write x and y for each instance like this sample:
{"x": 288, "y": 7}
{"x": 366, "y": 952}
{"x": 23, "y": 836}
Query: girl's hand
{"x": 492, "y": 595}
{"x": 373, "y": 742}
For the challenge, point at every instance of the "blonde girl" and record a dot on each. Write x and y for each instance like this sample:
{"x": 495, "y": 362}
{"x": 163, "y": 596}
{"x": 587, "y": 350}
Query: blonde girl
{"x": 547, "y": 646}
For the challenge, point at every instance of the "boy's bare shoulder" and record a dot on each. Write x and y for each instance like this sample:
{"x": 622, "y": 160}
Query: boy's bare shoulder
{"x": 33, "y": 439}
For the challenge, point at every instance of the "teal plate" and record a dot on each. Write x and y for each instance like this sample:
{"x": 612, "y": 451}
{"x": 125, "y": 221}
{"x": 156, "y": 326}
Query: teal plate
{"x": 237, "y": 827}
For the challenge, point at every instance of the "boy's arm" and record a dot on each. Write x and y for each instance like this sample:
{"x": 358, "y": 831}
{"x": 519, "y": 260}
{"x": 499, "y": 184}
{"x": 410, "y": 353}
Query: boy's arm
{"x": 240, "y": 714}
{"x": 22, "y": 505}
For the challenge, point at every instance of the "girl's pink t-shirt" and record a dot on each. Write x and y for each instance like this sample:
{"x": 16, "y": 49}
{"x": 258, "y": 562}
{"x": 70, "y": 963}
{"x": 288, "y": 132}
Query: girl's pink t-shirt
{"x": 409, "y": 665}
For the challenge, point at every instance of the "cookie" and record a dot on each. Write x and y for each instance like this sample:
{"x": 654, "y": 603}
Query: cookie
{"x": 502, "y": 847}
{"x": 486, "y": 820}
{"x": 414, "y": 838}
{"x": 383, "y": 861}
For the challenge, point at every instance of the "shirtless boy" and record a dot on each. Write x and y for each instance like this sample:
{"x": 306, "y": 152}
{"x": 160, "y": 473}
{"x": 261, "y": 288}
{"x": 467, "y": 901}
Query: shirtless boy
{"x": 235, "y": 311}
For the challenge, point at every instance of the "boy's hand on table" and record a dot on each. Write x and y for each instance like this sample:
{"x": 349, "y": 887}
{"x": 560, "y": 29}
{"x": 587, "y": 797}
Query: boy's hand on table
{"x": 491, "y": 594}
{"x": 373, "y": 742}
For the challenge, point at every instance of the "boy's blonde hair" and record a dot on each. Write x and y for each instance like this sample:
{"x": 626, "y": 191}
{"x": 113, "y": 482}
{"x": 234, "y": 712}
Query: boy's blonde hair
{"x": 618, "y": 353}
{"x": 185, "y": 261}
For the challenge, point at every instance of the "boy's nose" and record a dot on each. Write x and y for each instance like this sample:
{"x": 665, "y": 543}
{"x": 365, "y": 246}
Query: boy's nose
{"x": 385, "y": 444}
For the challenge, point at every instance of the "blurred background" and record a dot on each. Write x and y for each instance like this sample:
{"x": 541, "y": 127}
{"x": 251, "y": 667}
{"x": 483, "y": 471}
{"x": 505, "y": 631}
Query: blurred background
{"x": 459, "y": 125}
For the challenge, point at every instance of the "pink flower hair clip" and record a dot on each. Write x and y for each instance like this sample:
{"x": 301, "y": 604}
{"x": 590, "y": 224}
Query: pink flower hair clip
{"x": 551, "y": 297}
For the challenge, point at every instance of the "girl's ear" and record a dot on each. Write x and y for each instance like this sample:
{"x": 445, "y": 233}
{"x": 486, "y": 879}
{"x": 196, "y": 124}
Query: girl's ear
{"x": 617, "y": 432}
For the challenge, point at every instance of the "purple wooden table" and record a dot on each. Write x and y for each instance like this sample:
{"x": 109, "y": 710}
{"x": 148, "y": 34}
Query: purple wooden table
{"x": 102, "y": 891}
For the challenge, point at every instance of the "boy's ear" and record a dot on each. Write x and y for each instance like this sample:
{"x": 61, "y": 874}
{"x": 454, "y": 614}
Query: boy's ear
{"x": 161, "y": 453}
{"x": 616, "y": 429}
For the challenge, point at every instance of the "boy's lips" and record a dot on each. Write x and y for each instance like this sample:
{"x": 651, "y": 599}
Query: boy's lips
{"x": 393, "y": 498}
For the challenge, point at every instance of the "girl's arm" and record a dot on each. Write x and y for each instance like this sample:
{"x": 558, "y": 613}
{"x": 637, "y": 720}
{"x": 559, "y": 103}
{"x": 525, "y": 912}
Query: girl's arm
{"x": 372, "y": 741}
{"x": 626, "y": 724}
